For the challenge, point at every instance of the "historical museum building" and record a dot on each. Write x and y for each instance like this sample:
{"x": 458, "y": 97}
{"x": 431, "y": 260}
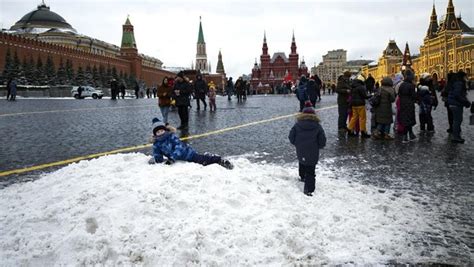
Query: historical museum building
{"x": 42, "y": 34}
{"x": 272, "y": 71}
{"x": 447, "y": 46}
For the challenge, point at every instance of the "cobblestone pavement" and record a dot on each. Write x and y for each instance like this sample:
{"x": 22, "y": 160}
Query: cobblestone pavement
{"x": 437, "y": 173}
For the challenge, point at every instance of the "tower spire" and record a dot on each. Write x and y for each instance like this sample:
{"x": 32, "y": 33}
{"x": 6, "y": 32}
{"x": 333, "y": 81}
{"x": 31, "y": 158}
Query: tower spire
{"x": 220, "y": 64}
{"x": 406, "y": 57}
{"x": 450, "y": 21}
{"x": 201, "y": 56}
{"x": 293, "y": 43}
{"x": 433, "y": 28}
{"x": 264, "y": 47}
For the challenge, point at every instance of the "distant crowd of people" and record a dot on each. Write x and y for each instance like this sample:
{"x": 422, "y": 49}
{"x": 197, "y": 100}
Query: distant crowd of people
{"x": 394, "y": 102}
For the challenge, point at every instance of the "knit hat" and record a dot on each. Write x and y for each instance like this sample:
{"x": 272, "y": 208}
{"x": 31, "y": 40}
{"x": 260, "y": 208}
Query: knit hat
{"x": 308, "y": 108}
{"x": 180, "y": 74}
{"x": 157, "y": 125}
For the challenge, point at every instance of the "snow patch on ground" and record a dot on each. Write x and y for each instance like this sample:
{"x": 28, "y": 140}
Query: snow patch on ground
{"x": 118, "y": 209}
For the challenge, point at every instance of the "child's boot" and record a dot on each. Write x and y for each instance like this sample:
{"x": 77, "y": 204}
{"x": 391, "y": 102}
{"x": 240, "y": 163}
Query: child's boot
{"x": 226, "y": 164}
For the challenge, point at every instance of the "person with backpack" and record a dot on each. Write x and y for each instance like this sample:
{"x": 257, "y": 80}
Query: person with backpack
{"x": 301, "y": 92}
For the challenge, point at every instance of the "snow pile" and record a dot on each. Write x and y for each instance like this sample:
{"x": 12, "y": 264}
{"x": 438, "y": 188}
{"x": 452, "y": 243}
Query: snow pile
{"x": 118, "y": 209}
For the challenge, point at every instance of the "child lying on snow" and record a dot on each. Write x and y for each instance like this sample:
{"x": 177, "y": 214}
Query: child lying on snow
{"x": 166, "y": 143}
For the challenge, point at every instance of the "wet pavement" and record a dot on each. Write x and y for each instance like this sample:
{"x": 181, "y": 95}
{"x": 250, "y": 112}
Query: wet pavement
{"x": 434, "y": 172}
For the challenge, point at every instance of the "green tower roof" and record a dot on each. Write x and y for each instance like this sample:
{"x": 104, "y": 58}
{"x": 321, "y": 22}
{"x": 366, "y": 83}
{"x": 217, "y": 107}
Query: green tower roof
{"x": 201, "y": 34}
{"x": 128, "y": 38}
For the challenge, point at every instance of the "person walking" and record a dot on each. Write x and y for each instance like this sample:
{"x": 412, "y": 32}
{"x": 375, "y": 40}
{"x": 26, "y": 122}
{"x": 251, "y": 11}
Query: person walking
{"x": 9, "y": 82}
{"x": 383, "y": 112}
{"x": 239, "y": 89}
{"x": 444, "y": 96}
{"x": 301, "y": 92}
{"x": 359, "y": 95}
{"x": 200, "y": 91}
{"x": 229, "y": 88}
{"x": 113, "y": 89}
{"x": 407, "y": 95}
{"x": 13, "y": 88}
{"x": 182, "y": 94}
{"x": 137, "y": 89}
{"x": 343, "y": 91}
{"x": 312, "y": 91}
{"x": 308, "y": 136}
{"x": 319, "y": 84}
{"x": 457, "y": 99}
{"x": 122, "y": 89}
{"x": 164, "y": 99}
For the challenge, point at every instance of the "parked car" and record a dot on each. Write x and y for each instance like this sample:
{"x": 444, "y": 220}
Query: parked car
{"x": 87, "y": 91}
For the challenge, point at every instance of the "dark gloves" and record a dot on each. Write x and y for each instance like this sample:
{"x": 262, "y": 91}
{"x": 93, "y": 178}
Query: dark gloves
{"x": 169, "y": 161}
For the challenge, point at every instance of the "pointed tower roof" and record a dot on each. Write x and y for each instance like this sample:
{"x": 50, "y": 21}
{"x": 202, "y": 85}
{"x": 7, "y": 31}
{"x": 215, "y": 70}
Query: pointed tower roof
{"x": 201, "y": 34}
{"x": 127, "y": 22}
{"x": 450, "y": 21}
{"x": 220, "y": 64}
{"x": 433, "y": 28}
{"x": 293, "y": 44}
{"x": 406, "y": 56}
{"x": 128, "y": 37}
{"x": 264, "y": 46}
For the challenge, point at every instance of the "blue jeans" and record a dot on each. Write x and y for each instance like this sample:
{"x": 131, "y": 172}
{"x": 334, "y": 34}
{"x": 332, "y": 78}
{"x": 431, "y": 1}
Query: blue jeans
{"x": 457, "y": 120}
{"x": 164, "y": 112}
{"x": 384, "y": 128}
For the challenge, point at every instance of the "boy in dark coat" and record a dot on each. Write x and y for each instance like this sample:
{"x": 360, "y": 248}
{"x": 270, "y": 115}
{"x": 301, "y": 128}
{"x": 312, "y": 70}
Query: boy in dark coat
{"x": 166, "y": 143}
{"x": 307, "y": 135}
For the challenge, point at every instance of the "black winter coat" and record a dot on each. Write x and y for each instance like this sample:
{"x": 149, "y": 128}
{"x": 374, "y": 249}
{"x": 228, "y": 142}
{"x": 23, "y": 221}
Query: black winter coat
{"x": 308, "y": 136}
{"x": 311, "y": 90}
{"x": 407, "y": 95}
{"x": 200, "y": 88}
{"x": 458, "y": 95}
{"x": 359, "y": 93}
{"x": 343, "y": 84}
{"x": 183, "y": 97}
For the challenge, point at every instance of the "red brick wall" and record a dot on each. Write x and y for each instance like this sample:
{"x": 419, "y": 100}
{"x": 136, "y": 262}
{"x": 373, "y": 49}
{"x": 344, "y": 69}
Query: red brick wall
{"x": 25, "y": 47}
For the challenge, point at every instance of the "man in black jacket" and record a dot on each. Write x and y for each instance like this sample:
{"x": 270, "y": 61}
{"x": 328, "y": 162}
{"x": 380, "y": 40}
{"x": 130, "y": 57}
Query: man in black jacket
{"x": 343, "y": 91}
{"x": 200, "y": 91}
{"x": 181, "y": 94}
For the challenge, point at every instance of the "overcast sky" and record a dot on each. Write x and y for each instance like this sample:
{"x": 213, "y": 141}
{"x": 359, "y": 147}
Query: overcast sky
{"x": 168, "y": 30}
